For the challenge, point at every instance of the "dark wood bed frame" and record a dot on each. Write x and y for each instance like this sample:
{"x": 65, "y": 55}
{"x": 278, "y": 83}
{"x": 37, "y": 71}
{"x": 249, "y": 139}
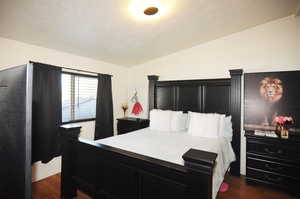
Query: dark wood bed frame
{"x": 106, "y": 172}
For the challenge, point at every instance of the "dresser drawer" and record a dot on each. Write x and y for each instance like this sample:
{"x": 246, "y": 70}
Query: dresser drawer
{"x": 273, "y": 150}
{"x": 274, "y": 167}
{"x": 270, "y": 178}
{"x": 273, "y": 162}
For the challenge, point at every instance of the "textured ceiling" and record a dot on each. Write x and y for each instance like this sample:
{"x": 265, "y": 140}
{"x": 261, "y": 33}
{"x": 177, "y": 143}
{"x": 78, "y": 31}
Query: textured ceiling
{"x": 108, "y": 30}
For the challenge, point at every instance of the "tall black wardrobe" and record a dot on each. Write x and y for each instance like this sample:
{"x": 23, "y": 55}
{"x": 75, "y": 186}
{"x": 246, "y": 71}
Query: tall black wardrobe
{"x": 15, "y": 132}
{"x": 30, "y": 116}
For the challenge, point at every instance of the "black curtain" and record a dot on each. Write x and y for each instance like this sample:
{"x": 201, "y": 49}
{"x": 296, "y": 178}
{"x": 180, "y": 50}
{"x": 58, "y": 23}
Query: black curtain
{"x": 104, "y": 113}
{"x": 46, "y": 112}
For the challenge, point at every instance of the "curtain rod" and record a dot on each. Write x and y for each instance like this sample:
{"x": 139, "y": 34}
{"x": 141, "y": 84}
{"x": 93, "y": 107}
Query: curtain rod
{"x": 85, "y": 71}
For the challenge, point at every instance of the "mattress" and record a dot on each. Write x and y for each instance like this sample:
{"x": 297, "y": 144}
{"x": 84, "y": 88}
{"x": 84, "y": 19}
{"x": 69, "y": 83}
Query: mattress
{"x": 170, "y": 146}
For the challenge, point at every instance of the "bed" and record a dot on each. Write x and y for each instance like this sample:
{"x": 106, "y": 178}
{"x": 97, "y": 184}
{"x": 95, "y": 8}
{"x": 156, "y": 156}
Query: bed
{"x": 182, "y": 167}
{"x": 170, "y": 146}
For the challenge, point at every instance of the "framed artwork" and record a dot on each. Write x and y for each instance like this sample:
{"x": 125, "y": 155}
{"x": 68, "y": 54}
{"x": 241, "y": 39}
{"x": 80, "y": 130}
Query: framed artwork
{"x": 271, "y": 94}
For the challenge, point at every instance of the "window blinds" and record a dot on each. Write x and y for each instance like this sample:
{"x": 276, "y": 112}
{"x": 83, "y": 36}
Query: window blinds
{"x": 79, "y": 95}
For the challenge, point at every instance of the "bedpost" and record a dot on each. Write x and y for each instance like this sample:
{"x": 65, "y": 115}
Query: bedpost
{"x": 200, "y": 165}
{"x": 70, "y": 133}
{"x": 151, "y": 97}
{"x": 235, "y": 111}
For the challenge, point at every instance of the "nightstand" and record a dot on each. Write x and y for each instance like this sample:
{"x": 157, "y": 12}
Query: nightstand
{"x": 273, "y": 162}
{"x": 128, "y": 124}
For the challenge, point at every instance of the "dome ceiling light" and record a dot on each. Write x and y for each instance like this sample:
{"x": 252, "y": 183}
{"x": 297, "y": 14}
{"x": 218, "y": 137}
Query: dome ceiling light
{"x": 151, "y": 10}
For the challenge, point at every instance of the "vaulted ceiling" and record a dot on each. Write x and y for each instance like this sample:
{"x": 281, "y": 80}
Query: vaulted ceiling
{"x": 112, "y": 31}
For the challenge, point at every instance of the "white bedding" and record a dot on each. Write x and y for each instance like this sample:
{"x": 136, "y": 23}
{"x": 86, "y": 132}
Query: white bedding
{"x": 170, "y": 146}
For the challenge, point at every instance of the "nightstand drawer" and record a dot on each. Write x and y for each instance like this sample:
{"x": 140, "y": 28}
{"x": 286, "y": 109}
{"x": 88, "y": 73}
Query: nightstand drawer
{"x": 278, "y": 180}
{"x": 274, "y": 167}
{"x": 273, "y": 150}
{"x": 126, "y": 125}
{"x": 126, "y": 129}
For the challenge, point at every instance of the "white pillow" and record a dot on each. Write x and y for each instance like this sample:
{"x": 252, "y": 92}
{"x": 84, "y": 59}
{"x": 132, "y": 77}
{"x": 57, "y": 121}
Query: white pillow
{"x": 178, "y": 121}
{"x": 222, "y": 123}
{"x": 204, "y": 125}
{"x": 188, "y": 115}
{"x": 227, "y": 129}
{"x": 160, "y": 120}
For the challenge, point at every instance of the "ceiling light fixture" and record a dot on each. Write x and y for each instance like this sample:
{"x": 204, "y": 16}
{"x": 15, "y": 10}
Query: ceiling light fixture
{"x": 151, "y": 10}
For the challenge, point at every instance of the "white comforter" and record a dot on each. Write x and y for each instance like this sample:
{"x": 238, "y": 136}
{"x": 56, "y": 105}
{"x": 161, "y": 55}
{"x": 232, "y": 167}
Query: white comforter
{"x": 170, "y": 146}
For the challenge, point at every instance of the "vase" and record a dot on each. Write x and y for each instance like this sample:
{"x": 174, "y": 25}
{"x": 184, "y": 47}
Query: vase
{"x": 124, "y": 112}
{"x": 278, "y": 130}
{"x": 282, "y": 131}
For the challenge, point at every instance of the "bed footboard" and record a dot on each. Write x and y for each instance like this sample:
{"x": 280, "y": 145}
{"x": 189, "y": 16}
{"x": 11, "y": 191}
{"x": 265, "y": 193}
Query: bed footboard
{"x": 199, "y": 165}
{"x": 111, "y": 173}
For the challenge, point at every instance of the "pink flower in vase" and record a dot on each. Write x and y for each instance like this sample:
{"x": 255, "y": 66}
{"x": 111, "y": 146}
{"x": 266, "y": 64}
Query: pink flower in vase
{"x": 281, "y": 120}
{"x": 288, "y": 119}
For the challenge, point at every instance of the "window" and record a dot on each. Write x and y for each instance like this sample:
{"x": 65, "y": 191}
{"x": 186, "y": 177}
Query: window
{"x": 79, "y": 95}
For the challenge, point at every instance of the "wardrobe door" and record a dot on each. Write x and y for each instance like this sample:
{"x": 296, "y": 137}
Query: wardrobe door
{"x": 15, "y": 132}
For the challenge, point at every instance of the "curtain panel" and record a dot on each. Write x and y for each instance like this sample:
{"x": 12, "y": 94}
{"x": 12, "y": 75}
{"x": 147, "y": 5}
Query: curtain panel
{"x": 104, "y": 114}
{"x": 46, "y": 112}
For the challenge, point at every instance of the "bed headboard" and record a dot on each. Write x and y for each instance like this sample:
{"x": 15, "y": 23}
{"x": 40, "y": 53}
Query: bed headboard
{"x": 203, "y": 95}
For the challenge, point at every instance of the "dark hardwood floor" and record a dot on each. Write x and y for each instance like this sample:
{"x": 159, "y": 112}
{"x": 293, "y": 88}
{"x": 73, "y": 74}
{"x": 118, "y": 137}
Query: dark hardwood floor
{"x": 49, "y": 188}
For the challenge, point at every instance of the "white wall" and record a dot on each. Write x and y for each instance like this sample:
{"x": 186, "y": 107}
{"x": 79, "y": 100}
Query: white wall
{"x": 269, "y": 47}
{"x": 16, "y": 53}
{"x": 298, "y": 33}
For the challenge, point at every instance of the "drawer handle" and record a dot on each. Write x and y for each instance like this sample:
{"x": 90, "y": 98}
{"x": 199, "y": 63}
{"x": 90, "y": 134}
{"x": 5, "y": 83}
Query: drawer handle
{"x": 276, "y": 179}
{"x": 273, "y": 152}
{"x": 274, "y": 168}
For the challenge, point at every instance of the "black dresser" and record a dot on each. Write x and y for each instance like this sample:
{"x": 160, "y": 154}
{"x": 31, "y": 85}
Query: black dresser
{"x": 273, "y": 162}
{"x": 128, "y": 124}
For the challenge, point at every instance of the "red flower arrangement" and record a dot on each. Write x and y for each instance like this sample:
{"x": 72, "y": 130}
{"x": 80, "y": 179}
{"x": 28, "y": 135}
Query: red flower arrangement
{"x": 282, "y": 120}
